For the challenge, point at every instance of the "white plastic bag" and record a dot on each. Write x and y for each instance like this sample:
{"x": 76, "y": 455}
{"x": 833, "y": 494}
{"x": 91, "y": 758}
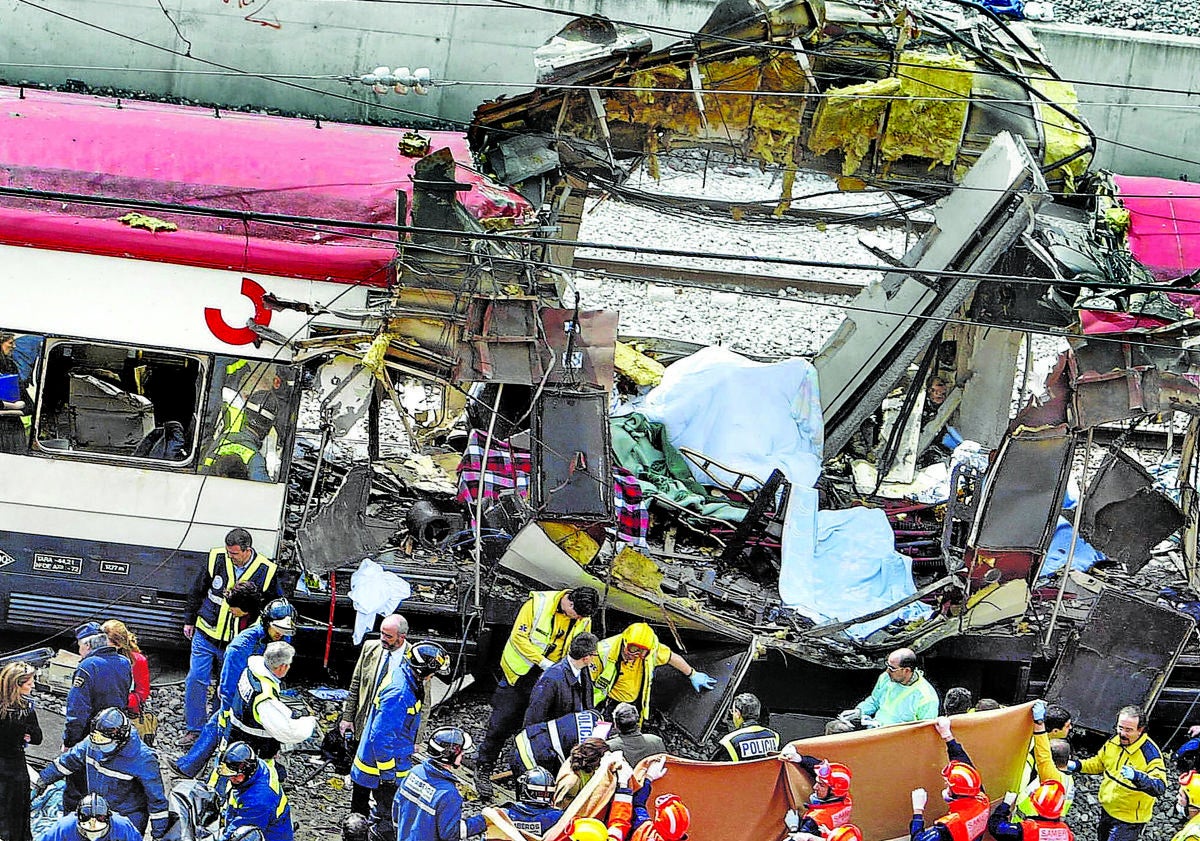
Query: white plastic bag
{"x": 374, "y": 591}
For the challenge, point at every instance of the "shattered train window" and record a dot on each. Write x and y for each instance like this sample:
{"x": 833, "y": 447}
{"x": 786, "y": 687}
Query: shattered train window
{"x": 249, "y": 420}
{"x": 115, "y": 400}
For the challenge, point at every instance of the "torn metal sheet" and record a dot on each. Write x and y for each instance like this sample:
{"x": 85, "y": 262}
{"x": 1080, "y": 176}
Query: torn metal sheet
{"x": 534, "y": 555}
{"x": 338, "y": 533}
{"x": 573, "y": 472}
{"x": 1189, "y": 500}
{"x": 1123, "y": 515}
{"x": 587, "y": 45}
{"x": 343, "y": 386}
{"x": 697, "y": 714}
{"x": 894, "y": 320}
{"x": 1122, "y": 655}
{"x": 591, "y": 357}
{"x": 1108, "y": 381}
{"x": 1022, "y": 496}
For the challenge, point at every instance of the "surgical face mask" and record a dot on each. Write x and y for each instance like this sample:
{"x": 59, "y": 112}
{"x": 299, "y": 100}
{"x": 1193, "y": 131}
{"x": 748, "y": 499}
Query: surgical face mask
{"x": 94, "y": 829}
{"x": 103, "y": 745}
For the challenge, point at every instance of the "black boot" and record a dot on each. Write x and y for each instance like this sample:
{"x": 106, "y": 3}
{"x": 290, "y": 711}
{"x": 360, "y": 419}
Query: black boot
{"x": 483, "y": 780}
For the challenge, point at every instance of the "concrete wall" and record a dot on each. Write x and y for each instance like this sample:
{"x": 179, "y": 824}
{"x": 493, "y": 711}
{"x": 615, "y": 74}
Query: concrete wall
{"x": 1123, "y": 124}
{"x": 486, "y": 42}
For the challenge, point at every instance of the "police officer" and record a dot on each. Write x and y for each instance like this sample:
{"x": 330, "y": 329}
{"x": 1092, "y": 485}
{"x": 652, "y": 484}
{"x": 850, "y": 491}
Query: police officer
{"x": 255, "y": 797}
{"x": 625, "y": 671}
{"x": 93, "y": 821}
{"x": 428, "y": 805}
{"x": 967, "y": 804}
{"x": 261, "y": 718}
{"x": 534, "y": 814}
{"x": 1047, "y": 802}
{"x": 385, "y": 752}
{"x": 276, "y": 621}
{"x": 117, "y": 765}
{"x": 212, "y": 622}
{"x": 102, "y": 679}
{"x": 830, "y": 804}
{"x": 549, "y": 743}
{"x": 749, "y": 739}
{"x": 545, "y": 626}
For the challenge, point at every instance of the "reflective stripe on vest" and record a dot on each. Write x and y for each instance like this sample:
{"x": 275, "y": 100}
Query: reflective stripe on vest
{"x": 1034, "y": 830}
{"x": 545, "y": 605}
{"x": 214, "y": 617}
{"x": 757, "y": 740}
{"x": 832, "y": 814}
{"x": 968, "y": 816}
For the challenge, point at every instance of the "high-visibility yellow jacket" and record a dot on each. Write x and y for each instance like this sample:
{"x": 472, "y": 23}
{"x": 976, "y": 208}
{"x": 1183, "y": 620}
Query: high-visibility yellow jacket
{"x": 1130, "y": 801}
{"x": 540, "y": 632}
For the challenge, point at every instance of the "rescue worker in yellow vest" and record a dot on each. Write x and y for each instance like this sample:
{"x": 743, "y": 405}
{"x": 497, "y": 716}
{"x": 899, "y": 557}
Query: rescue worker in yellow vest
{"x": 1048, "y": 755}
{"x": 541, "y": 635}
{"x": 748, "y": 739}
{"x": 1046, "y": 803}
{"x": 1187, "y": 805}
{"x": 212, "y": 621}
{"x": 239, "y": 452}
{"x": 625, "y": 666}
{"x": 260, "y": 717}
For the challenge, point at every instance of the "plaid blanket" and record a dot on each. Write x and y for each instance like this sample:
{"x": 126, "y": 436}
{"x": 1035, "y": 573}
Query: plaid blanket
{"x": 509, "y": 468}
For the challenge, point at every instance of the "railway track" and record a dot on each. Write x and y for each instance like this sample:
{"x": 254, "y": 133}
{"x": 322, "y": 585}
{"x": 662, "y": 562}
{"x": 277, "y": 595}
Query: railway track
{"x": 704, "y": 278}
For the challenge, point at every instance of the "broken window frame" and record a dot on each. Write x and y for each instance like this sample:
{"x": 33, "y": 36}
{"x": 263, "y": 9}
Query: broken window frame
{"x": 46, "y": 368}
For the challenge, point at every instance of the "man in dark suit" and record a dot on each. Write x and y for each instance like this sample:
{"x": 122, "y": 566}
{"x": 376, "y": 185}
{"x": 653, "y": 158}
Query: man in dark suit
{"x": 376, "y": 659}
{"x": 566, "y": 687}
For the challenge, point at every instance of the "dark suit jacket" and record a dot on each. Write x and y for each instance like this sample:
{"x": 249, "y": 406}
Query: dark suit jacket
{"x": 558, "y": 692}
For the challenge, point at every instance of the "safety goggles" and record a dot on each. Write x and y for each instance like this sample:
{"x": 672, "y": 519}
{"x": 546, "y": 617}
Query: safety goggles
{"x": 93, "y": 828}
{"x": 637, "y": 651}
{"x": 103, "y": 744}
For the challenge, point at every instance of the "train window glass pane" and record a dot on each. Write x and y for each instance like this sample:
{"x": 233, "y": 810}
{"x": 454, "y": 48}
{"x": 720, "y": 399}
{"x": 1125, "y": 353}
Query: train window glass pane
{"x": 250, "y": 417}
{"x": 113, "y": 400}
{"x": 19, "y": 354}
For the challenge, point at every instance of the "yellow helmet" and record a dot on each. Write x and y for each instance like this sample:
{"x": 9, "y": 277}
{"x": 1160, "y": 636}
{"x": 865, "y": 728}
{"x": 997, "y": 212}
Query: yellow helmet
{"x": 587, "y": 829}
{"x": 639, "y": 633}
{"x": 1189, "y": 787}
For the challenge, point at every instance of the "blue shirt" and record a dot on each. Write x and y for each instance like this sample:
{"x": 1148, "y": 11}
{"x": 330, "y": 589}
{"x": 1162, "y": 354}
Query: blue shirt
{"x": 428, "y": 806}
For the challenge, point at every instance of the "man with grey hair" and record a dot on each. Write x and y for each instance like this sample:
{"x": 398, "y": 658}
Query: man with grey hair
{"x": 377, "y": 658}
{"x": 264, "y": 721}
{"x": 630, "y": 739}
{"x": 102, "y": 679}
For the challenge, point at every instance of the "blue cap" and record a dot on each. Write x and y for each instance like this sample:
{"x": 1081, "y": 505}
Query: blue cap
{"x": 88, "y": 630}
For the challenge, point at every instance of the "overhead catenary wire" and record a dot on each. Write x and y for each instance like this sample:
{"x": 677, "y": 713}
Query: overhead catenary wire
{"x": 707, "y": 36}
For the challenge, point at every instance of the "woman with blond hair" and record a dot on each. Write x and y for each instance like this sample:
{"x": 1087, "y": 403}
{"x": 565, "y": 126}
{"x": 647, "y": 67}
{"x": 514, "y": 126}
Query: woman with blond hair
{"x": 18, "y": 728}
{"x": 126, "y": 644}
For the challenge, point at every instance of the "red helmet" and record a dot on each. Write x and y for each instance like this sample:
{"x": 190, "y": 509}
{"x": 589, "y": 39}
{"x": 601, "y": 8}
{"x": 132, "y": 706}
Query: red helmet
{"x": 962, "y": 779}
{"x": 671, "y": 818}
{"x": 845, "y": 832}
{"x": 836, "y": 776}
{"x": 1049, "y": 799}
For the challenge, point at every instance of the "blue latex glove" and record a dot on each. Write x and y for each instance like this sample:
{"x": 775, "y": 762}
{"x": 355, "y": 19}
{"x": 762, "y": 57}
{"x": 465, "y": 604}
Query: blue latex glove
{"x": 1039, "y": 711}
{"x": 1072, "y": 766}
{"x": 701, "y": 681}
{"x": 1128, "y": 772}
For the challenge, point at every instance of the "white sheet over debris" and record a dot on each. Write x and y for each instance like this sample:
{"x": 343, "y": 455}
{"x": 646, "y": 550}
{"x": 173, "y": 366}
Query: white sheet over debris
{"x": 755, "y": 417}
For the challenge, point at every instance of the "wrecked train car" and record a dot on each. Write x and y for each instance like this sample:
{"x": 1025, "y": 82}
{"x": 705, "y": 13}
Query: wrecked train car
{"x": 176, "y": 279}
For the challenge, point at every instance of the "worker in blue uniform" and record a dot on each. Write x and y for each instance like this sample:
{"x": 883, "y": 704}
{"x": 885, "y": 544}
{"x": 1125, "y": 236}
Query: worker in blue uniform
{"x": 549, "y": 743}
{"x": 254, "y": 797}
{"x": 276, "y": 621}
{"x": 534, "y": 813}
{"x": 93, "y": 821}
{"x": 428, "y": 805}
{"x": 102, "y": 679}
{"x": 117, "y": 765}
{"x": 385, "y": 753}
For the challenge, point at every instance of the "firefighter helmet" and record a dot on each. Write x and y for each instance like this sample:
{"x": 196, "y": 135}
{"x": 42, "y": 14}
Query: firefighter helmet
{"x": 536, "y": 786}
{"x": 587, "y": 829}
{"x": 671, "y": 818}
{"x": 1189, "y": 785}
{"x": 448, "y": 744}
{"x": 427, "y": 659}
{"x": 836, "y": 776}
{"x": 280, "y": 615}
{"x": 93, "y": 818}
{"x": 962, "y": 780}
{"x": 1049, "y": 799}
{"x": 239, "y": 759}
{"x": 845, "y": 832}
{"x": 110, "y": 730}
